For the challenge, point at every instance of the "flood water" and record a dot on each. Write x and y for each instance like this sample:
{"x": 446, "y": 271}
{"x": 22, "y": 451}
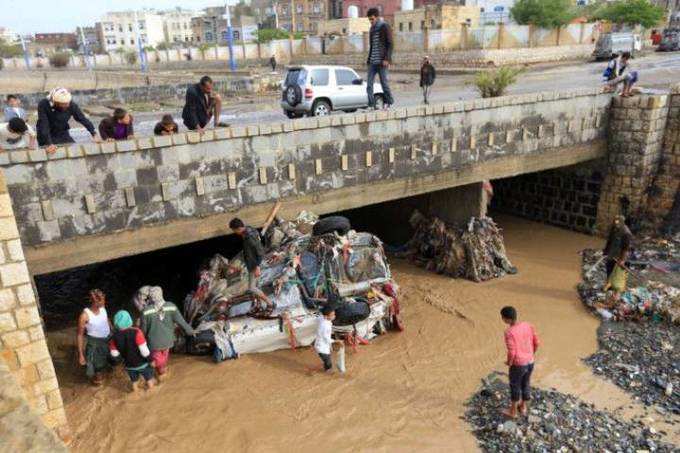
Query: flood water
{"x": 403, "y": 392}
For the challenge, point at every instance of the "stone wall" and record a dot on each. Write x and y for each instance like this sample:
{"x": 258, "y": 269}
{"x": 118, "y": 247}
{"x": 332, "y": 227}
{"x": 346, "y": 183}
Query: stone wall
{"x": 21, "y": 429}
{"x": 101, "y": 190}
{"x": 665, "y": 187}
{"x": 22, "y": 339}
{"x": 635, "y": 139}
{"x": 566, "y": 197}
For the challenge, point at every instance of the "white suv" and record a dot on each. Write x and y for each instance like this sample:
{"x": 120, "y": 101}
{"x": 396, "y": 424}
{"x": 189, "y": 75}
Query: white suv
{"x": 319, "y": 90}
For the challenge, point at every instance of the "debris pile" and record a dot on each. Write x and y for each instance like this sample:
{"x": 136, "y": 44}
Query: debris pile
{"x": 643, "y": 359}
{"x": 556, "y": 422}
{"x": 654, "y": 275}
{"x": 308, "y": 264}
{"x": 475, "y": 252}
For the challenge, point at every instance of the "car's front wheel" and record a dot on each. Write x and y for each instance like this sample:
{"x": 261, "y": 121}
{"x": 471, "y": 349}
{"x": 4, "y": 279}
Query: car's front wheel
{"x": 321, "y": 108}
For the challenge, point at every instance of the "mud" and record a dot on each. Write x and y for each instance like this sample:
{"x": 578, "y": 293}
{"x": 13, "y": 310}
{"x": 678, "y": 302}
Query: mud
{"x": 404, "y": 392}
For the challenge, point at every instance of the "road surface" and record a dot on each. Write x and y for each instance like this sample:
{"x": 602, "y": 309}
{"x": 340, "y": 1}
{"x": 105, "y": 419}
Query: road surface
{"x": 659, "y": 70}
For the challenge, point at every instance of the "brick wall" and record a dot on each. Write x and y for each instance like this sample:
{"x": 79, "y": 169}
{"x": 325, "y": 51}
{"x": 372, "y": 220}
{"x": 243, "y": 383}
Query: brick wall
{"x": 22, "y": 339}
{"x": 566, "y": 197}
{"x": 636, "y": 132}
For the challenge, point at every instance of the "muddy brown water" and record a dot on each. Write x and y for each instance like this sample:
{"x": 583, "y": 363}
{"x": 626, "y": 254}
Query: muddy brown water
{"x": 403, "y": 392}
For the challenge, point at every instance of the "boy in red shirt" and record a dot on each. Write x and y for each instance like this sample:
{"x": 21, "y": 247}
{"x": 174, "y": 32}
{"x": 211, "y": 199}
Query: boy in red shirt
{"x": 522, "y": 343}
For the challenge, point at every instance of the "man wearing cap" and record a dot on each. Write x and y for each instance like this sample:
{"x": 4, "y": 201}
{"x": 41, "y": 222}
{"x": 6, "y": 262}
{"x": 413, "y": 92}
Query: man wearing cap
{"x": 54, "y": 113}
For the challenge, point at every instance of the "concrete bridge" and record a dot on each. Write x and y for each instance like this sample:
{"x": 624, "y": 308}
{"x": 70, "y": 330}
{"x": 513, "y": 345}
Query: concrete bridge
{"x": 94, "y": 202}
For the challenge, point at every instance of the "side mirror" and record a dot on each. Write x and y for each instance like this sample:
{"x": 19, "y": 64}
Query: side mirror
{"x": 358, "y": 81}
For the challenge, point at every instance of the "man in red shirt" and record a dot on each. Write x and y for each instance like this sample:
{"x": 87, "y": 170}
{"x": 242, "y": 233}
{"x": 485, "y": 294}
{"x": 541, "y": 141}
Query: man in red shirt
{"x": 522, "y": 343}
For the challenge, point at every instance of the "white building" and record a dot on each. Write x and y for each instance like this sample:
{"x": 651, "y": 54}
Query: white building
{"x": 8, "y": 35}
{"x": 117, "y": 30}
{"x": 177, "y": 25}
{"x": 493, "y": 11}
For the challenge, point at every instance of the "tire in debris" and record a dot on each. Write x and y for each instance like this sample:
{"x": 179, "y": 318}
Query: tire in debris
{"x": 351, "y": 312}
{"x": 202, "y": 344}
{"x": 331, "y": 224}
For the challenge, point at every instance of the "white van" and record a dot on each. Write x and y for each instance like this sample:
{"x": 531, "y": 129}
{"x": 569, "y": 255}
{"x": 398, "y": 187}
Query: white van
{"x": 615, "y": 43}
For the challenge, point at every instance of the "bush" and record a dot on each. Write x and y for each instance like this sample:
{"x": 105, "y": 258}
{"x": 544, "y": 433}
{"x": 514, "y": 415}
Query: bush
{"x": 631, "y": 12}
{"x": 10, "y": 50}
{"x": 131, "y": 57}
{"x": 491, "y": 84}
{"x": 60, "y": 59}
{"x": 268, "y": 34}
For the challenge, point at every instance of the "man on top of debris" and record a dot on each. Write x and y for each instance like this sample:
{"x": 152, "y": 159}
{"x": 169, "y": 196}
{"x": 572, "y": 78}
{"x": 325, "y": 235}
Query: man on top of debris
{"x": 253, "y": 253}
{"x": 618, "y": 244}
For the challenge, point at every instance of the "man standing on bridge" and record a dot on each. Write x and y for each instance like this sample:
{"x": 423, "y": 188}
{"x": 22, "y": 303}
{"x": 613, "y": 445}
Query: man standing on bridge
{"x": 202, "y": 104}
{"x": 379, "y": 56}
{"x": 54, "y": 113}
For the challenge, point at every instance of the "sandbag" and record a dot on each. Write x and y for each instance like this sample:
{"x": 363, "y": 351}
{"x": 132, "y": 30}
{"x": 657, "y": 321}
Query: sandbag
{"x": 331, "y": 224}
{"x": 351, "y": 312}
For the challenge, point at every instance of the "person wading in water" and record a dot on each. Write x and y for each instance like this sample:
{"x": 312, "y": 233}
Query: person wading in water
{"x": 94, "y": 329}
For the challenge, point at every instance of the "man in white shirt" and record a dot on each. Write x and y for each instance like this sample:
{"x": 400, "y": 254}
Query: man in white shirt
{"x": 16, "y": 134}
{"x": 323, "y": 341}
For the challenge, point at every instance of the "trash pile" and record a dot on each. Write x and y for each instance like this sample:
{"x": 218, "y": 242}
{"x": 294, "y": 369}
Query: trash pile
{"x": 308, "y": 264}
{"x": 556, "y": 422}
{"x": 475, "y": 252}
{"x": 643, "y": 359}
{"x": 653, "y": 278}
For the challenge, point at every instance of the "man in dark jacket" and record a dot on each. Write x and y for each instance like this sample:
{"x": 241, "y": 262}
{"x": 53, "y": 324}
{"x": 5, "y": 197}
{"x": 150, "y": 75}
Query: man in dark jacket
{"x": 253, "y": 253}
{"x": 202, "y": 104}
{"x": 427, "y": 76}
{"x": 54, "y": 113}
{"x": 379, "y": 56}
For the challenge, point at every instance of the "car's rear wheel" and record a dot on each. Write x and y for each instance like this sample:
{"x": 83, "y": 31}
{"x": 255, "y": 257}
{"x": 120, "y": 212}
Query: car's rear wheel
{"x": 379, "y": 102}
{"x": 321, "y": 108}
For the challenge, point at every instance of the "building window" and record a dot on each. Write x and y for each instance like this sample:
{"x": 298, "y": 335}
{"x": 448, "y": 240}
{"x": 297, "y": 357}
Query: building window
{"x": 129, "y": 27}
{"x": 401, "y": 26}
{"x": 208, "y": 36}
{"x": 432, "y": 23}
{"x": 120, "y": 28}
{"x": 422, "y": 25}
{"x": 317, "y": 8}
{"x": 237, "y": 35}
{"x": 298, "y": 8}
{"x": 141, "y": 25}
{"x": 132, "y": 41}
{"x": 410, "y": 26}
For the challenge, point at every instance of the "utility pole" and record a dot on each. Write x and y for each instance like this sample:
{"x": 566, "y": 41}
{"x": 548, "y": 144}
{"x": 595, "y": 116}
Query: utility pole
{"x": 86, "y": 49}
{"x": 140, "y": 48}
{"x": 27, "y": 59}
{"x": 230, "y": 38}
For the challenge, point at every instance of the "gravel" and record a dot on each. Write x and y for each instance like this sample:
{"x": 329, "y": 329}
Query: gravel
{"x": 642, "y": 359}
{"x": 557, "y": 422}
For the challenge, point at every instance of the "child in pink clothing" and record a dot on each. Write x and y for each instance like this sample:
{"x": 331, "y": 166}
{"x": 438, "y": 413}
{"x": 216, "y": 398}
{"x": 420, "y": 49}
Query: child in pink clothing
{"x": 522, "y": 342}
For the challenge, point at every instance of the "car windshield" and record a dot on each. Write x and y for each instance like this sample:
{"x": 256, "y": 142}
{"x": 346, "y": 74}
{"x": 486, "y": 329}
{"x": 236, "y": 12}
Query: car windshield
{"x": 296, "y": 76}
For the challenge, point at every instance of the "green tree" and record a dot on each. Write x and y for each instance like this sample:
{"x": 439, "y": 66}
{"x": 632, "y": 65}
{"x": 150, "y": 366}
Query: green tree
{"x": 543, "y": 13}
{"x": 10, "y": 50}
{"x": 131, "y": 57}
{"x": 165, "y": 45}
{"x": 60, "y": 59}
{"x": 268, "y": 34}
{"x": 631, "y": 12}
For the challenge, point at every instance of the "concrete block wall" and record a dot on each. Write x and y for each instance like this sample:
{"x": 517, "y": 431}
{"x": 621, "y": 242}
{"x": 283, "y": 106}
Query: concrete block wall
{"x": 94, "y": 189}
{"x": 635, "y": 139}
{"x": 22, "y": 340}
{"x": 566, "y": 197}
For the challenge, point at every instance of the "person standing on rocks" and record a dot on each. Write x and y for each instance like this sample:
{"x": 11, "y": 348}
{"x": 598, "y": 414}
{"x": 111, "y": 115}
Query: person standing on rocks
{"x": 379, "y": 56}
{"x": 94, "y": 329}
{"x": 427, "y": 76}
{"x": 158, "y": 326}
{"x": 522, "y": 343}
{"x": 618, "y": 245}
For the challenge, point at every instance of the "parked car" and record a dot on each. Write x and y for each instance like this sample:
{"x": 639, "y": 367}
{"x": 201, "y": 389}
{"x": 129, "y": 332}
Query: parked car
{"x": 320, "y": 90}
{"x": 614, "y": 43}
{"x": 670, "y": 40}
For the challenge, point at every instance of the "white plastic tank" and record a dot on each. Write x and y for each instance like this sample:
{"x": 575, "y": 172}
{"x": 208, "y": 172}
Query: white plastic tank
{"x": 353, "y": 11}
{"x": 406, "y": 5}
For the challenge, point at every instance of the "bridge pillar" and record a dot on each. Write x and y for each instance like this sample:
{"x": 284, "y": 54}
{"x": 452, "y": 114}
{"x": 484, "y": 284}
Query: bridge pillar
{"x": 635, "y": 139}
{"x": 458, "y": 204}
{"x": 23, "y": 346}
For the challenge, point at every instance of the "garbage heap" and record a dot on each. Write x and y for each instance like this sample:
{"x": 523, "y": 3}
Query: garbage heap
{"x": 653, "y": 282}
{"x": 308, "y": 263}
{"x": 475, "y": 252}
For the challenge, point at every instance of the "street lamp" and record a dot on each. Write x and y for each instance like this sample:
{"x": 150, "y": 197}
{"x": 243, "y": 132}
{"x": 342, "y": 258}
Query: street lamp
{"x": 230, "y": 39}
